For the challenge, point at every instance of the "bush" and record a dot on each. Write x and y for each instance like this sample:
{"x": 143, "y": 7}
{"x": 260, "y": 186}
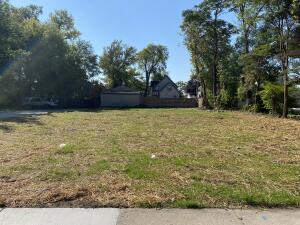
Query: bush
{"x": 272, "y": 96}
{"x": 223, "y": 99}
{"x": 254, "y": 108}
{"x": 242, "y": 93}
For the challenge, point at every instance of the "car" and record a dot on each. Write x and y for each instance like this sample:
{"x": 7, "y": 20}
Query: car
{"x": 37, "y": 102}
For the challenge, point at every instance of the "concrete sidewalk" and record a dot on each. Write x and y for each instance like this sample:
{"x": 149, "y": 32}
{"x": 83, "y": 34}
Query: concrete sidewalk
{"x": 148, "y": 217}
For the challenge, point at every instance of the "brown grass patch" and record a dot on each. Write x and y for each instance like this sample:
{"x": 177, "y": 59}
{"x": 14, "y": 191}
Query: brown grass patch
{"x": 203, "y": 159}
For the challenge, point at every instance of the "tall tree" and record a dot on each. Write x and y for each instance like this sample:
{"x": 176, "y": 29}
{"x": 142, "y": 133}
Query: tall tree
{"x": 117, "y": 63}
{"x": 207, "y": 38}
{"x": 279, "y": 24}
{"x": 10, "y": 36}
{"x": 216, "y": 8}
{"x": 153, "y": 61}
{"x": 42, "y": 59}
{"x": 249, "y": 14}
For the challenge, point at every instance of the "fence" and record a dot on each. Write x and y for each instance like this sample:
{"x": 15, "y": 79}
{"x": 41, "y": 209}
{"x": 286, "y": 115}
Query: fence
{"x": 154, "y": 102}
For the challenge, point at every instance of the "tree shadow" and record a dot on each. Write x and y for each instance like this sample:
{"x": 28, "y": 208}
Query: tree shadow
{"x": 26, "y": 119}
{"x": 32, "y": 117}
{"x": 5, "y": 128}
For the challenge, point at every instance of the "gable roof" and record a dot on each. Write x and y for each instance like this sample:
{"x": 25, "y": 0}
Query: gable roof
{"x": 166, "y": 81}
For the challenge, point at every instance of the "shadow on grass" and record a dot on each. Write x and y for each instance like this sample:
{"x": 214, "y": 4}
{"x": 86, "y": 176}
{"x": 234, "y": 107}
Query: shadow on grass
{"x": 32, "y": 117}
{"x": 5, "y": 128}
{"x": 25, "y": 119}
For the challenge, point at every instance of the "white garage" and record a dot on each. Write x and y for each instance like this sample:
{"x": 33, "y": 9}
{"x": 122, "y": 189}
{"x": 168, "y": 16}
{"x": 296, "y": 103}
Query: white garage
{"x": 121, "y": 96}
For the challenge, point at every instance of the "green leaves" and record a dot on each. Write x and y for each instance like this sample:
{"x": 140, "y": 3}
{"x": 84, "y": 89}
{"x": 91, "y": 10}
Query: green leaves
{"x": 44, "y": 59}
{"x": 153, "y": 62}
{"x": 117, "y": 62}
{"x": 65, "y": 23}
{"x": 207, "y": 38}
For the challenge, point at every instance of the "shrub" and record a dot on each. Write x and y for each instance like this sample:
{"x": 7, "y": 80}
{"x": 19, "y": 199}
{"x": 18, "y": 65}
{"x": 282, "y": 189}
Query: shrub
{"x": 254, "y": 108}
{"x": 272, "y": 96}
{"x": 242, "y": 93}
{"x": 223, "y": 99}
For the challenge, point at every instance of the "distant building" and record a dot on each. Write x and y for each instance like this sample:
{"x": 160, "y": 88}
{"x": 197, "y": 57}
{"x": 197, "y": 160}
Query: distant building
{"x": 121, "y": 96}
{"x": 162, "y": 93}
{"x": 193, "y": 89}
{"x": 165, "y": 89}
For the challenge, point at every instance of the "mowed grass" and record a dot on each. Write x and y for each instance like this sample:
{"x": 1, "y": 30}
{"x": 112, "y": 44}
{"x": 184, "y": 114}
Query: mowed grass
{"x": 183, "y": 158}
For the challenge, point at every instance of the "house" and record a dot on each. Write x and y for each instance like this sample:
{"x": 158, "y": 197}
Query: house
{"x": 121, "y": 96}
{"x": 193, "y": 89}
{"x": 163, "y": 93}
{"x": 165, "y": 89}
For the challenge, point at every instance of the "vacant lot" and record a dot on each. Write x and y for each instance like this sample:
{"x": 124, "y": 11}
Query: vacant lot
{"x": 150, "y": 158}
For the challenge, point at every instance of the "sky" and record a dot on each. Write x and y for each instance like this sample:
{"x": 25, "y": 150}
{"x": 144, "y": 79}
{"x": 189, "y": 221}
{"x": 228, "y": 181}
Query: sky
{"x": 136, "y": 22}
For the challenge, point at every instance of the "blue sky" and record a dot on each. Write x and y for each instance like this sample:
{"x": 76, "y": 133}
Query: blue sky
{"x": 136, "y": 22}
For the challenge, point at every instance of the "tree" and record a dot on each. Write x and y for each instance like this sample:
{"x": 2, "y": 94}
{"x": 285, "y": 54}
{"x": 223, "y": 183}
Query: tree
{"x": 207, "y": 38}
{"x": 44, "y": 59}
{"x": 182, "y": 86}
{"x": 117, "y": 64}
{"x": 249, "y": 13}
{"x": 13, "y": 49}
{"x": 153, "y": 61}
{"x": 10, "y": 36}
{"x": 279, "y": 24}
{"x": 85, "y": 58}
{"x": 29, "y": 12}
{"x": 65, "y": 23}
{"x": 219, "y": 29}
{"x": 194, "y": 27}
{"x": 229, "y": 75}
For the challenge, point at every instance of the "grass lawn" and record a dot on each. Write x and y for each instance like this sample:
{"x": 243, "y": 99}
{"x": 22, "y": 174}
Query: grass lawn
{"x": 202, "y": 159}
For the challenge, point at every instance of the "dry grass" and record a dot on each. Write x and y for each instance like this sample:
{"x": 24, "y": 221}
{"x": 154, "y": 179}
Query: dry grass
{"x": 203, "y": 159}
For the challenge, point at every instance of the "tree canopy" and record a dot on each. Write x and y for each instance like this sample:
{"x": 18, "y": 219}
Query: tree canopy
{"x": 45, "y": 59}
{"x": 230, "y": 72}
{"x": 237, "y": 66}
{"x": 153, "y": 62}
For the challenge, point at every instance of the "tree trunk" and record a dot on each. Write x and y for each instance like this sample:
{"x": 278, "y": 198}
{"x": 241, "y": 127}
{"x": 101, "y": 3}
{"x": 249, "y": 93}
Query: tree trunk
{"x": 285, "y": 85}
{"x": 285, "y": 56}
{"x": 214, "y": 79}
{"x": 247, "y": 42}
{"x": 147, "y": 84}
{"x": 205, "y": 104}
{"x": 215, "y": 59}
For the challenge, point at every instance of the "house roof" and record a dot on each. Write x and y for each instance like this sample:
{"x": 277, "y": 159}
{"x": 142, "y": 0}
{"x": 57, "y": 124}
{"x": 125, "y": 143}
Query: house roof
{"x": 122, "y": 89}
{"x": 166, "y": 81}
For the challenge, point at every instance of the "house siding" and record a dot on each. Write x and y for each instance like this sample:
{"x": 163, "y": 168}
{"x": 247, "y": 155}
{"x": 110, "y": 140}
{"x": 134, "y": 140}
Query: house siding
{"x": 164, "y": 82}
{"x": 115, "y": 100}
{"x": 169, "y": 93}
